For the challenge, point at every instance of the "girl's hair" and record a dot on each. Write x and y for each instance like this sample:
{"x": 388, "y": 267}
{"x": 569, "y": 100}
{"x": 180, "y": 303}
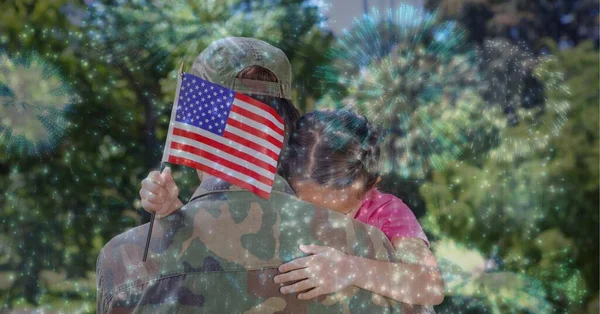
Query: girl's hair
{"x": 333, "y": 148}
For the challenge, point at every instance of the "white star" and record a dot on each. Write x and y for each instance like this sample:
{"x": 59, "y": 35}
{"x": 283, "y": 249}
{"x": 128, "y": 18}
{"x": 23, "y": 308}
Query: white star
{"x": 221, "y": 91}
{"x": 202, "y": 84}
{"x": 212, "y": 87}
{"x": 210, "y": 127}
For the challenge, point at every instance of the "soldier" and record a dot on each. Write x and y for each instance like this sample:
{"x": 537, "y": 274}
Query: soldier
{"x": 221, "y": 251}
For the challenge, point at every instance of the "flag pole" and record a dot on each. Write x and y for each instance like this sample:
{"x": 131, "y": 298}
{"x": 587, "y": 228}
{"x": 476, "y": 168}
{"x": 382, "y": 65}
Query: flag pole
{"x": 163, "y": 163}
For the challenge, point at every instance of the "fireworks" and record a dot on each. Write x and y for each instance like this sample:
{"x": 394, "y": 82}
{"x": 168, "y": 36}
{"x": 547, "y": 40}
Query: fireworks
{"x": 33, "y": 103}
{"x": 412, "y": 77}
{"x": 437, "y": 100}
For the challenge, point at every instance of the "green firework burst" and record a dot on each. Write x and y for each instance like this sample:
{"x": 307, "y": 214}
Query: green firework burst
{"x": 33, "y": 102}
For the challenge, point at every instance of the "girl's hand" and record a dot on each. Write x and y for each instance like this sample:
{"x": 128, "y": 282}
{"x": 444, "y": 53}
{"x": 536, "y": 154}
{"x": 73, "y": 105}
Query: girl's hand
{"x": 327, "y": 270}
{"x": 160, "y": 194}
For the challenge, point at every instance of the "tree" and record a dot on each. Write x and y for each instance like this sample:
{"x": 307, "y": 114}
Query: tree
{"x": 524, "y": 22}
{"x": 537, "y": 214}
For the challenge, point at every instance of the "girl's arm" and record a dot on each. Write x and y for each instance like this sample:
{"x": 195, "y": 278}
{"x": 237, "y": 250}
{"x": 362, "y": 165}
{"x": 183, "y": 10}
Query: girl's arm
{"x": 416, "y": 280}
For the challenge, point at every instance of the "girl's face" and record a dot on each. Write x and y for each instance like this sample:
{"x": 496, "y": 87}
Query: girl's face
{"x": 344, "y": 201}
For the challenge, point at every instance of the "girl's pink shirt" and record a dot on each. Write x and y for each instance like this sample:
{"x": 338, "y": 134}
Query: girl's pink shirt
{"x": 390, "y": 215}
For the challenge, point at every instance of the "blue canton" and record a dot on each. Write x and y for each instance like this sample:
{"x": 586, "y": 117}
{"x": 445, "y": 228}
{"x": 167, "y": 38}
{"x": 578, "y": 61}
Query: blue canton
{"x": 203, "y": 104}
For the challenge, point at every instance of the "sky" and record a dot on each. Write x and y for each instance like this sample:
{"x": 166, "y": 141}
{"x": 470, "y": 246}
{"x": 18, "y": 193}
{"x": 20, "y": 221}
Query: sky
{"x": 341, "y": 13}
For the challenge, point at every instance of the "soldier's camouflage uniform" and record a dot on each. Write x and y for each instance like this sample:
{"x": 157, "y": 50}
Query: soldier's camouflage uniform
{"x": 220, "y": 252}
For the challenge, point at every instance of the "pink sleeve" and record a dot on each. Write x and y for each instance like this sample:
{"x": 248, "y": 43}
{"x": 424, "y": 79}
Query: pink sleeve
{"x": 399, "y": 221}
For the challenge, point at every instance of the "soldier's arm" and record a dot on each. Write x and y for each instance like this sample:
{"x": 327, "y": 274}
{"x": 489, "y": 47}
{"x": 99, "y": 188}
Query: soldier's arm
{"x": 417, "y": 280}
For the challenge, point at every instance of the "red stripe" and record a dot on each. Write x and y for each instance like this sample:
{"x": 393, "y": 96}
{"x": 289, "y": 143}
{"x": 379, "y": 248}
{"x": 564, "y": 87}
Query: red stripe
{"x": 253, "y": 116}
{"x": 224, "y": 148}
{"x": 229, "y": 164}
{"x": 252, "y": 101}
{"x": 254, "y": 131}
{"x": 212, "y": 171}
{"x": 257, "y": 147}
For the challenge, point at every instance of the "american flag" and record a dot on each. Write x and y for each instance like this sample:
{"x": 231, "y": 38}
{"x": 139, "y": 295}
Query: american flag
{"x": 224, "y": 133}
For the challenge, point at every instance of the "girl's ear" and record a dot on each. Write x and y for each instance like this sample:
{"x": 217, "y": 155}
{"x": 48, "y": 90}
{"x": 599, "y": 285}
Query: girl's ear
{"x": 378, "y": 180}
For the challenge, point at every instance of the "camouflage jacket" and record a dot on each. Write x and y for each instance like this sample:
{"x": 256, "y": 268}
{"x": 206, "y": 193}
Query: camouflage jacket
{"x": 220, "y": 252}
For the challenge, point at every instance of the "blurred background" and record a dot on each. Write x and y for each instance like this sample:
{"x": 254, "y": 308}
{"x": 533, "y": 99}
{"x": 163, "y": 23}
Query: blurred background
{"x": 488, "y": 112}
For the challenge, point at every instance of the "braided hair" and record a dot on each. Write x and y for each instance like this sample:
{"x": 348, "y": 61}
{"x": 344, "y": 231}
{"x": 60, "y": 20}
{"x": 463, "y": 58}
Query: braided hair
{"x": 334, "y": 149}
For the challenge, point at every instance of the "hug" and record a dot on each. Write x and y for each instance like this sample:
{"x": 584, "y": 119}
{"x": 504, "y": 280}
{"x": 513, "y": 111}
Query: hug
{"x": 326, "y": 241}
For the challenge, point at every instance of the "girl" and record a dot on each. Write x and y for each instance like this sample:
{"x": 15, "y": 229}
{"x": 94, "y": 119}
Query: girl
{"x": 332, "y": 161}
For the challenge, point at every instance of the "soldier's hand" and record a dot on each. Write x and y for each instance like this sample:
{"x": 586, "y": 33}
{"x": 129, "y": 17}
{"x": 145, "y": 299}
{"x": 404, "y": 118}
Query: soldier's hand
{"x": 325, "y": 271}
{"x": 159, "y": 193}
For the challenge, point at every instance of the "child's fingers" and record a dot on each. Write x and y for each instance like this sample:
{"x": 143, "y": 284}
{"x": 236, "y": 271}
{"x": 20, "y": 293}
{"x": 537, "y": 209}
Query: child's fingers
{"x": 150, "y": 186}
{"x": 151, "y": 197}
{"x": 154, "y": 176}
{"x": 167, "y": 175}
{"x": 150, "y": 207}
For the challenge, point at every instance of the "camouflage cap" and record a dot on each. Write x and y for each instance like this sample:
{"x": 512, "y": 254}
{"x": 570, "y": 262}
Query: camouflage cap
{"x": 223, "y": 59}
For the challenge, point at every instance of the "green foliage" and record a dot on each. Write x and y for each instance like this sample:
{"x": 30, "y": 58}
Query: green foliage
{"x": 59, "y": 208}
{"x": 538, "y": 214}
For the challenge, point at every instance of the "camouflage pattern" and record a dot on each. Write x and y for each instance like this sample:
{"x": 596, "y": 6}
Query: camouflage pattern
{"x": 223, "y": 59}
{"x": 220, "y": 252}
